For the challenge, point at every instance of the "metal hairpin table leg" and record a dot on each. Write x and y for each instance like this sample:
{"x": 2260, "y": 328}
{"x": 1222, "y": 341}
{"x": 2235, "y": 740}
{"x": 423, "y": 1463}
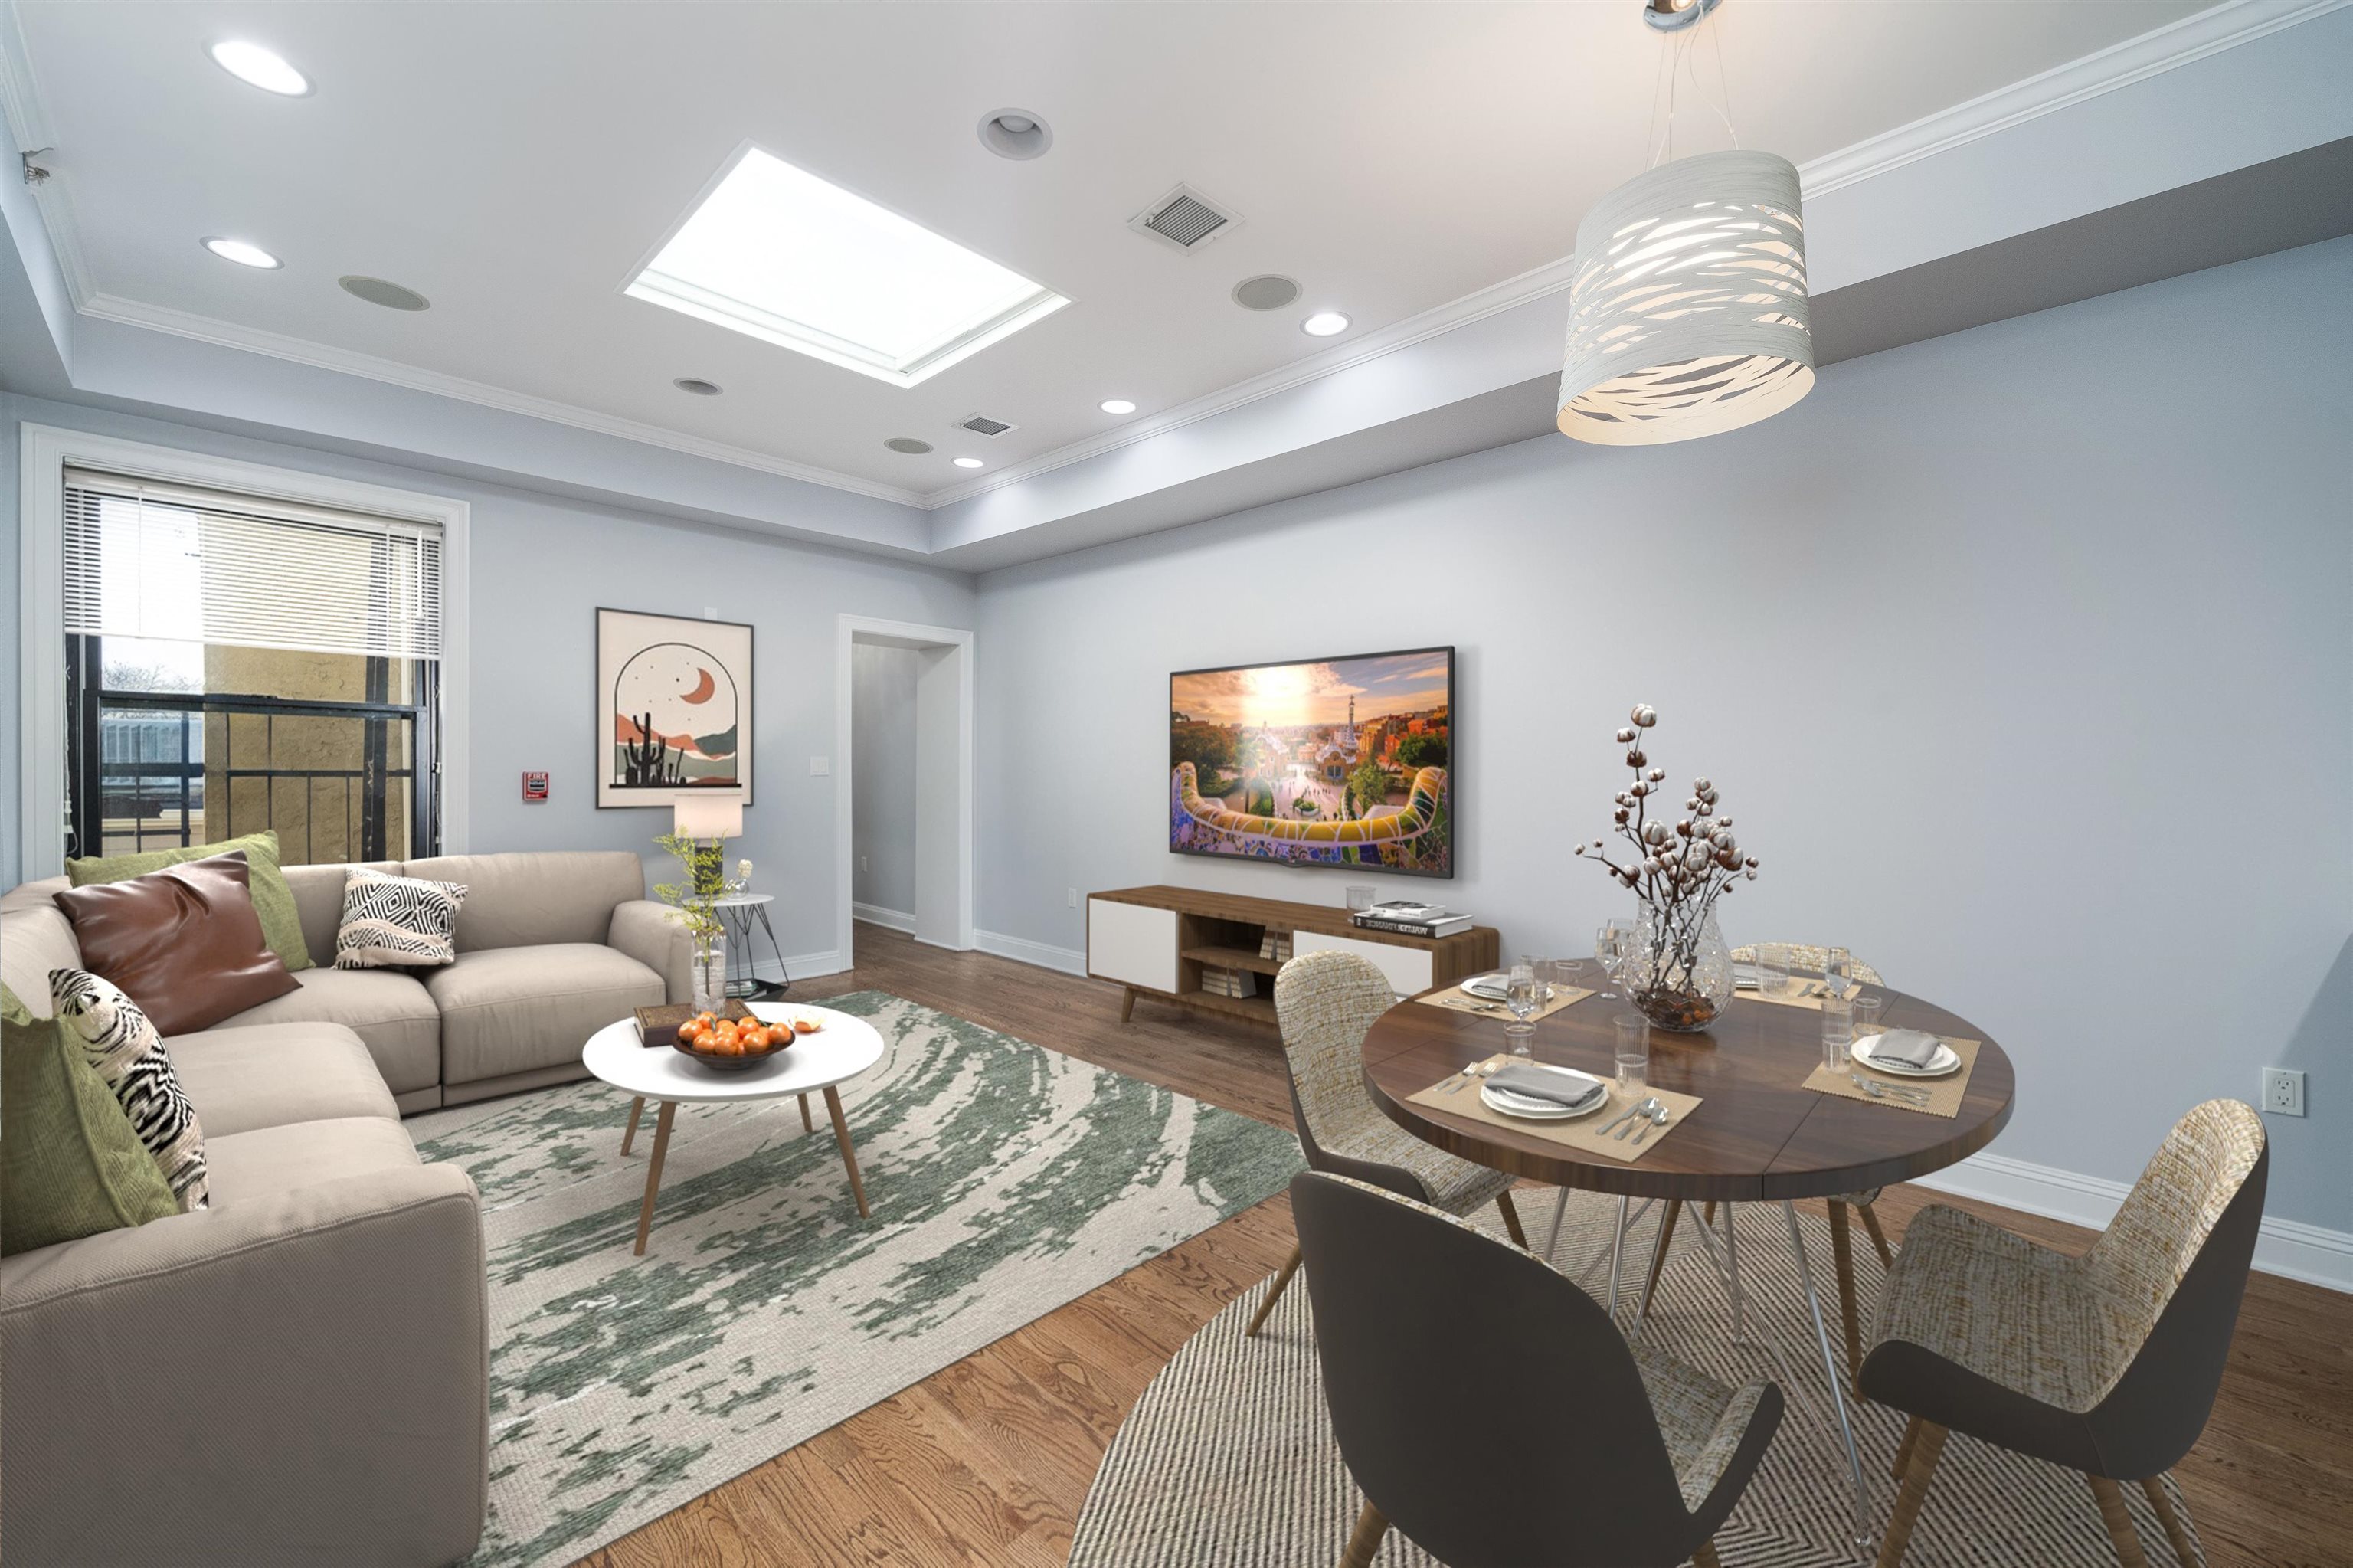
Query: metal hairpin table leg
{"x": 1559, "y": 1212}
{"x": 786, "y": 983}
{"x": 1617, "y": 1257}
{"x": 1831, "y": 1370}
{"x": 1732, "y": 1277}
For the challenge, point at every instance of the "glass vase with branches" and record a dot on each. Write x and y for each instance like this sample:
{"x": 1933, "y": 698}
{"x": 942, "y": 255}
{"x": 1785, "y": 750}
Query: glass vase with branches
{"x": 704, "y": 863}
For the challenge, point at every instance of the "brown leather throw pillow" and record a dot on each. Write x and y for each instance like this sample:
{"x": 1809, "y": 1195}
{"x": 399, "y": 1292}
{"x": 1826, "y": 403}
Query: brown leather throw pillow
{"x": 182, "y": 943}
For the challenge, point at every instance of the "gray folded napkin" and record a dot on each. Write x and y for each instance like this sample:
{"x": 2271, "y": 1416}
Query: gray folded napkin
{"x": 1553, "y": 1085}
{"x": 1904, "y": 1047}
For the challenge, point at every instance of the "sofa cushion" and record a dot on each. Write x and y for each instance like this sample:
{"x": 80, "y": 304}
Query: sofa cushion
{"x": 270, "y": 1074}
{"x": 270, "y": 1161}
{"x": 117, "y": 1039}
{"x": 182, "y": 942}
{"x": 525, "y": 900}
{"x": 511, "y": 1009}
{"x": 318, "y": 901}
{"x": 70, "y": 1164}
{"x": 397, "y": 922}
{"x": 273, "y": 901}
{"x": 388, "y": 1010}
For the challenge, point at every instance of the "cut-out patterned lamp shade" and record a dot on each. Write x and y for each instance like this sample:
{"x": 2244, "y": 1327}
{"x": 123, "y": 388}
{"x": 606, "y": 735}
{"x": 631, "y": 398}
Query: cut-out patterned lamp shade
{"x": 1688, "y": 315}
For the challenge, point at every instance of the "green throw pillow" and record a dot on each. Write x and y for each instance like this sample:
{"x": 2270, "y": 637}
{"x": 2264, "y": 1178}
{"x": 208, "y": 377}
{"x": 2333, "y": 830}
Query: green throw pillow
{"x": 273, "y": 901}
{"x": 70, "y": 1164}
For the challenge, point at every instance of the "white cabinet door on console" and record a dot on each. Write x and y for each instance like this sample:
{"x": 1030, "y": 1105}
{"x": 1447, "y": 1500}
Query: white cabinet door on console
{"x": 1407, "y": 968}
{"x": 1131, "y": 944}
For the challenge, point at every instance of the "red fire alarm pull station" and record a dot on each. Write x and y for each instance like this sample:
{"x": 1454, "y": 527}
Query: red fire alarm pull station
{"x": 535, "y": 786}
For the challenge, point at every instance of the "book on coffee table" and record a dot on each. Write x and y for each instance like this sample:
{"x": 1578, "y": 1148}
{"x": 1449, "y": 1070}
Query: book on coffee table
{"x": 660, "y": 1025}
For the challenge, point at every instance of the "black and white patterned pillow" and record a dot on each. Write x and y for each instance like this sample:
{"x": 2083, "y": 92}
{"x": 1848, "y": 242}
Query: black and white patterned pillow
{"x": 118, "y": 1042}
{"x": 396, "y": 922}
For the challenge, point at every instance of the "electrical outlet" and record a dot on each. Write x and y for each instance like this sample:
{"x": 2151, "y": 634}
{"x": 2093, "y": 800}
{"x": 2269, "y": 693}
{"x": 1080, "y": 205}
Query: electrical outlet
{"x": 710, "y": 612}
{"x": 2283, "y": 1091}
{"x": 862, "y": 864}
{"x": 1073, "y": 897}
{"x": 820, "y": 766}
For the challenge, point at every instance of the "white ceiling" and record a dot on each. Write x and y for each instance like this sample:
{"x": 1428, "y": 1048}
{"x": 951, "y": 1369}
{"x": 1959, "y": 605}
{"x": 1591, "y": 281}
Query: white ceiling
{"x": 515, "y": 161}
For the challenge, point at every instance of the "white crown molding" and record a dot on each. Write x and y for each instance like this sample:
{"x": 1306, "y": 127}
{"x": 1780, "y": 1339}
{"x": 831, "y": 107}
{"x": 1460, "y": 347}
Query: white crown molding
{"x": 2175, "y": 44}
{"x": 2179, "y": 43}
{"x": 301, "y": 351}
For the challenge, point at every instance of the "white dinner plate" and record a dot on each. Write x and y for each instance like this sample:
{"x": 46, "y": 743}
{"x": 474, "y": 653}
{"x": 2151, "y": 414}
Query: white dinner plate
{"x": 1497, "y": 987}
{"x": 1509, "y": 1104}
{"x": 1946, "y": 1061}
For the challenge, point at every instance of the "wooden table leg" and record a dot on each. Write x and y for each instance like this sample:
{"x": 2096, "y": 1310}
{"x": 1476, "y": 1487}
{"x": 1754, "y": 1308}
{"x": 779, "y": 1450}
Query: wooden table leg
{"x": 2183, "y": 1551}
{"x": 848, "y": 1155}
{"x": 1126, "y": 1003}
{"x": 637, "y": 1108}
{"x": 653, "y": 1172}
{"x": 2120, "y": 1525}
{"x": 1366, "y": 1539}
{"x": 806, "y": 1125}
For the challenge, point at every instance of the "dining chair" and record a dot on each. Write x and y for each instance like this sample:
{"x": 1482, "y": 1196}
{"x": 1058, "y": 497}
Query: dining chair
{"x": 1491, "y": 1411}
{"x": 1325, "y": 1001}
{"x": 1804, "y": 956}
{"x": 2106, "y": 1363}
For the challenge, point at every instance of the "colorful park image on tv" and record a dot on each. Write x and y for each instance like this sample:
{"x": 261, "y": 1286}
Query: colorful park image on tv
{"x": 1338, "y": 762}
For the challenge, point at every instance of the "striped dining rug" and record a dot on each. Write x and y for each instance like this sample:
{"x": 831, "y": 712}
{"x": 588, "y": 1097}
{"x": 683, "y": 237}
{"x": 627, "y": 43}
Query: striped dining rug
{"x": 1005, "y": 1178}
{"x": 1227, "y": 1459}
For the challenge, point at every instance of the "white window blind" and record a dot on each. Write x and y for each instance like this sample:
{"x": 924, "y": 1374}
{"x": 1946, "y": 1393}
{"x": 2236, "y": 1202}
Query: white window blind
{"x": 150, "y": 559}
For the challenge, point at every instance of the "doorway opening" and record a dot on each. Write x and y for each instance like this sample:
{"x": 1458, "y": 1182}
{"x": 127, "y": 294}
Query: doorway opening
{"x": 903, "y": 785}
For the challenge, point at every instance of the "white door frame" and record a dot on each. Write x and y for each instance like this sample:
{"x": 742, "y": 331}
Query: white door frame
{"x": 45, "y": 450}
{"x": 850, "y": 630}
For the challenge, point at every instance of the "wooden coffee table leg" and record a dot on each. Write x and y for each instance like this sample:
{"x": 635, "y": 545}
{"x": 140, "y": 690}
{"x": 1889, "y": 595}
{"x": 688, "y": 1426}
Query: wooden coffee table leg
{"x": 653, "y": 1172}
{"x": 637, "y": 1108}
{"x": 806, "y": 1125}
{"x": 848, "y": 1155}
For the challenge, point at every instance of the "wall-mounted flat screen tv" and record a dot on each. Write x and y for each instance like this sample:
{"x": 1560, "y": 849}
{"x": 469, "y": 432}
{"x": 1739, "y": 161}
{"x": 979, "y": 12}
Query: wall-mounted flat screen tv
{"x": 1340, "y": 762}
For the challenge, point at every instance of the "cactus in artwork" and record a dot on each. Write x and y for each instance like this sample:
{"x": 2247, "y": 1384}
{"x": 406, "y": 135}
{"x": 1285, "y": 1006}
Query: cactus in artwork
{"x": 647, "y": 759}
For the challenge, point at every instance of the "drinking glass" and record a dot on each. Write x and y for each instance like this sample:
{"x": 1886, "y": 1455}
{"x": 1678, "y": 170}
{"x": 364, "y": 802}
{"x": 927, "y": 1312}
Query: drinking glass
{"x": 1867, "y": 1009}
{"x": 1838, "y": 1032}
{"x": 1838, "y": 972}
{"x": 1360, "y": 898}
{"x": 1633, "y": 1052}
{"x": 1607, "y": 951}
{"x": 1523, "y": 995}
{"x": 1772, "y": 968}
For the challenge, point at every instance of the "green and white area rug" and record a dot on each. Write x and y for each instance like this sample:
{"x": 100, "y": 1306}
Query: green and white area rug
{"x": 1004, "y": 1180}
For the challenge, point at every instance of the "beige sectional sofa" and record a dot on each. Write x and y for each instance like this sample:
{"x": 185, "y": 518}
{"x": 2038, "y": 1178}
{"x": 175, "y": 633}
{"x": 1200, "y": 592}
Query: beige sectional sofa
{"x": 298, "y": 1374}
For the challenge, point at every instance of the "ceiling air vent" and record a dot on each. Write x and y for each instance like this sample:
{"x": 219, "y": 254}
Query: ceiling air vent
{"x": 982, "y": 425}
{"x": 1185, "y": 218}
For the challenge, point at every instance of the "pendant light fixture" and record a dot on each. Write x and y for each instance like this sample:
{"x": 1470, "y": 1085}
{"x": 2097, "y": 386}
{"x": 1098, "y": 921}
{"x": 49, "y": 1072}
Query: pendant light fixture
{"x": 1688, "y": 313}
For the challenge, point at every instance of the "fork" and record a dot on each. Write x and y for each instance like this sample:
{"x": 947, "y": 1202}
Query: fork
{"x": 1880, "y": 1091}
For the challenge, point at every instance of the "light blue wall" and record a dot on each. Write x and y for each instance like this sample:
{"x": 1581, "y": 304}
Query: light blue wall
{"x": 539, "y": 567}
{"x": 883, "y": 785}
{"x": 2022, "y": 657}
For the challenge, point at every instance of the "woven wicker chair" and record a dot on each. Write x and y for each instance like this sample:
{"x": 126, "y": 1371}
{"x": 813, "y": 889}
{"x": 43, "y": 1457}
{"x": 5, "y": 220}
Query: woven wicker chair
{"x": 2106, "y": 1363}
{"x": 1326, "y": 1001}
{"x": 1473, "y": 1388}
{"x": 1804, "y": 956}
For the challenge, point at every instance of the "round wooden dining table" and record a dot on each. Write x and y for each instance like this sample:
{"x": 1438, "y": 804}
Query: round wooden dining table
{"x": 1757, "y": 1136}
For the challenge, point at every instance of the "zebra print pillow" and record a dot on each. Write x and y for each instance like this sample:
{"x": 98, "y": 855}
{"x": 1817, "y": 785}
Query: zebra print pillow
{"x": 118, "y": 1042}
{"x": 392, "y": 922}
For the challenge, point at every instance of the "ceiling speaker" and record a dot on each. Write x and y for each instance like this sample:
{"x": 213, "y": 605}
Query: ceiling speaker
{"x": 1267, "y": 291}
{"x": 376, "y": 291}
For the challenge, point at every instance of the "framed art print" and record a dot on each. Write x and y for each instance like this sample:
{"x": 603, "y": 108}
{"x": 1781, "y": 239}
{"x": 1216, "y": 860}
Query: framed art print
{"x": 673, "y": 708}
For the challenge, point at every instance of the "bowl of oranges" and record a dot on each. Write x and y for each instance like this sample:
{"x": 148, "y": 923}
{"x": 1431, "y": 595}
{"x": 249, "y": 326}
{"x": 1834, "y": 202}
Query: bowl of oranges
{"x": 734, "y": 1045}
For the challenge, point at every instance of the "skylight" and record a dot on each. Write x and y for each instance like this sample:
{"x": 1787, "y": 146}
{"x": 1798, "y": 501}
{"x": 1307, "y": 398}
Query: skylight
{"x": 778, "y": 253}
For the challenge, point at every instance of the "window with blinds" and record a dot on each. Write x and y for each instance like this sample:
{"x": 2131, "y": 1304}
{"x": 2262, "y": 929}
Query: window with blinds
{"x": 236, "y": 662}
{"x": 151, "y": 560}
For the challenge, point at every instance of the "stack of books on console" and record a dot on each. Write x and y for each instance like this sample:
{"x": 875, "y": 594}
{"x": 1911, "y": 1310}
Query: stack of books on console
{"x": 1228, "y": 982}
{"x": 1275, "y": 946}
{"x": 1411, "y": 919}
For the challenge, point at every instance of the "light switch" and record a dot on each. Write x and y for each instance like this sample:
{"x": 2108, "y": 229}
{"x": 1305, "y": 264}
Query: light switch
{"x": 821, "y": 766}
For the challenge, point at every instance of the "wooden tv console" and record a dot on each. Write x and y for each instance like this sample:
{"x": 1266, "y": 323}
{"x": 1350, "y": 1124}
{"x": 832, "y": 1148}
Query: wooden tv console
{"x": 1155, "y": 940}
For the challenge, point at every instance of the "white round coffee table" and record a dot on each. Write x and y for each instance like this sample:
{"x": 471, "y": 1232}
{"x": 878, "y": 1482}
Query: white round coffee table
{"x": 835, "y": 1054}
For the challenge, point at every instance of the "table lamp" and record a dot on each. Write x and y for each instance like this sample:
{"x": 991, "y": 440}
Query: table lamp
{"x": 714, "y": 819}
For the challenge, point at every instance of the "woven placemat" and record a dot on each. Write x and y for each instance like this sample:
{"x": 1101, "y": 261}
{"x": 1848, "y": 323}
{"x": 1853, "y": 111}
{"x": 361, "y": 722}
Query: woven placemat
{"x": 1461, "y": 1000}
{"x": 1945, "y": 1094}
{"x": 1582, "y": 1134}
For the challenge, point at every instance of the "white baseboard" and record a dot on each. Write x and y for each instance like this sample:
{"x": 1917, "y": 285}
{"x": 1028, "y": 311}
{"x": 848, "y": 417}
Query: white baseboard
{"x": 2289, "y": 1248}
{"x": 800, "y": 966}
{"x": 874, "y": 913}
{"x": 1020, "y": 950}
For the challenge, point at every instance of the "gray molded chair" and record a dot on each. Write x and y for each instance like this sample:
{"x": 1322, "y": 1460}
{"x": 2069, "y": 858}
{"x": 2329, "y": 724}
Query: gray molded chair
{"x": 1489, "y": 1409}
{"x": 1326, "y": 1001}
{"x": 2106, "y": 1363}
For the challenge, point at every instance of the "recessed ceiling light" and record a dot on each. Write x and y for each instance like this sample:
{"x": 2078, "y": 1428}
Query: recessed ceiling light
{"x": 243, "y": 254}
{"x": 967, "y": 463}
{"x": 1117, "y": 406}
{"x": 908, "y": 446}
{"x": 260, "y": 68}
{"x": 698, "y": 386}
{"x": 378, "y": 291}
{"x": 1015, "y": 134}
{"x": 775, "y": 252}
{"x": 1324, "y": 324}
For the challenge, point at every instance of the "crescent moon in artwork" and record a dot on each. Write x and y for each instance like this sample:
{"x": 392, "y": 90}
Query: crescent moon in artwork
{"x": 702, "y": 692}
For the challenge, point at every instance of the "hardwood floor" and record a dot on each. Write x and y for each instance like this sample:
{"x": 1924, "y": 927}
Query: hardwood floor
{"x": 987, "y": 1462}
